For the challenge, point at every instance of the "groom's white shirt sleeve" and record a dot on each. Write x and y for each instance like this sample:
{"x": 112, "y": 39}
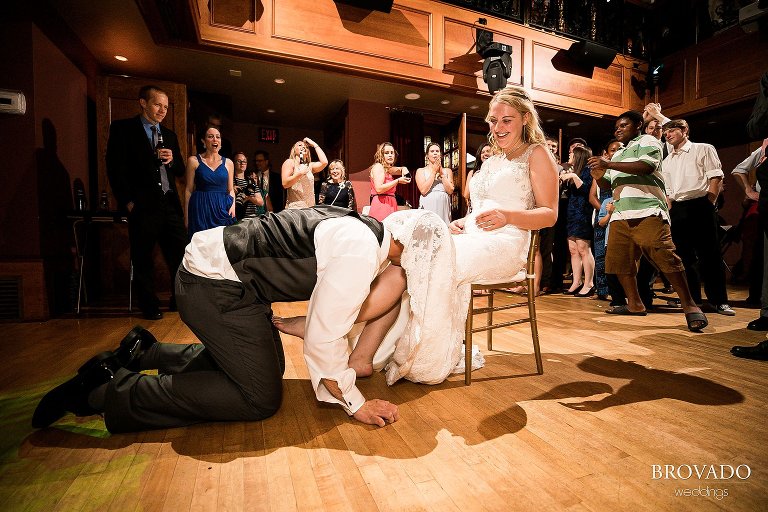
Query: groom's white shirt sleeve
{"x": 348, "y": 259}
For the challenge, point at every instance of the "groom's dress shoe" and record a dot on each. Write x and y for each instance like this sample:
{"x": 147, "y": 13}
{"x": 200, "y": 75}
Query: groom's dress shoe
{"x": 136, "y": 342}
{"x": 759, "y": 351}
{"x": 72, "y": 396}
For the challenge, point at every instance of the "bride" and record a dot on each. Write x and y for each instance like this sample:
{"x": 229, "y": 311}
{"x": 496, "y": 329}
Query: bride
{"x": 515, "y": 191}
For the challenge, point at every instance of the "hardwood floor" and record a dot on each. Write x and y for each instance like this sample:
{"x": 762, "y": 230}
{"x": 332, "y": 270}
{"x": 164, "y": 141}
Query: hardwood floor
{"x": 619, "y": 396}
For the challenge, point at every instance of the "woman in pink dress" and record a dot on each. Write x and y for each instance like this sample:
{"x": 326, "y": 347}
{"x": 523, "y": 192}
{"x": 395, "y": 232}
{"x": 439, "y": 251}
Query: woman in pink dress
{"x": 383, "y": 184}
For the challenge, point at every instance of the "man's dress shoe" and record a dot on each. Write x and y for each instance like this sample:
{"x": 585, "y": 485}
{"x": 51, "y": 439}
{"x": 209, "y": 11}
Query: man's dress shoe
{"x": 72, "y": 396}
{"x": 761, "y": 324}
{"x": 152, "y": 314}
{"x": 136, "y": 342}
{"x": 759, "y": 351}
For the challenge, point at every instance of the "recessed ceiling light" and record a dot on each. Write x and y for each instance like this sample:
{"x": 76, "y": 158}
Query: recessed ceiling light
{"x": 711, "y": 122}
{"x": 279, "y": 80}
{"x": 235, "y": 72}
{"x": 121, "y": 58}
{"x": 271, "y": 111}
{"x": 445, "y": 102}
{"x": 412, "y": 96}
{"x": 550, "y": 120}
{"x": 574, "y": 123}
{"x": 474, "y": 107}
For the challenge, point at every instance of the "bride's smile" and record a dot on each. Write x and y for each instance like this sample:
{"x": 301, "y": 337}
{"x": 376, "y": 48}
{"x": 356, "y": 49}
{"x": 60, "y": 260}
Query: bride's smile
{"x": 506, "y": 125}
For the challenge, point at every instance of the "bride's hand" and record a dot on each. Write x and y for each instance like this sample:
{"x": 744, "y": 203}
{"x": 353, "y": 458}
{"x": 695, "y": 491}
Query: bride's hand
{"x": 457, "y": 226}
{"x": 490, "y": 220}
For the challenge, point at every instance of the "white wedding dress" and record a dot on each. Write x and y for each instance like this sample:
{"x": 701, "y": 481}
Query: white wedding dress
{"x": 440, "y": 268}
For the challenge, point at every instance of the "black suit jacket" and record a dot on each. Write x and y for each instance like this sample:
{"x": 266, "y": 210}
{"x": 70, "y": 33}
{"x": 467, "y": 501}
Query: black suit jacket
{"x": 132, "y": 165}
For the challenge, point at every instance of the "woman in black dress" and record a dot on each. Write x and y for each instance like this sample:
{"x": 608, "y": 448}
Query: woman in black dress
{"x": 337, "y": 190}
{"x": 580, "y": 211}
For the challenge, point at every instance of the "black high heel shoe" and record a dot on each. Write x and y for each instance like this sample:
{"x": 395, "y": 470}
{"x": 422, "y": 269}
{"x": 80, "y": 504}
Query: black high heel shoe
{"x": 574, "y": 292}
{"x": 589, "y": 293}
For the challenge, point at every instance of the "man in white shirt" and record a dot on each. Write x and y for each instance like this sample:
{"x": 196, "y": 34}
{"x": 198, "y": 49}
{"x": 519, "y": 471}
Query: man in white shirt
{"x": 228, "y": 279}
{"x": 693, "y": 176}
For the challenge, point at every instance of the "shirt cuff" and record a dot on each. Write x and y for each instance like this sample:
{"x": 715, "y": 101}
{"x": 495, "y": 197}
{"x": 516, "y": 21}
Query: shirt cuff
{"x": 716, "y": 173}
{"x": 353, "y": 400}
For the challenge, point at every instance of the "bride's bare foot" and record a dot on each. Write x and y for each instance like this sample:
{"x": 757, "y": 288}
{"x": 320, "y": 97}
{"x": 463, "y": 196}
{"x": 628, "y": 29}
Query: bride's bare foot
{"x": 362, "y": 368}
{"x": 294, "y": 326}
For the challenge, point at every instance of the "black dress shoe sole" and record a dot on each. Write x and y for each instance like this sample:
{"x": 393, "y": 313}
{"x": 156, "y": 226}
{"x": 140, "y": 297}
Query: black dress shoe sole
{"x": 133, "y": 344}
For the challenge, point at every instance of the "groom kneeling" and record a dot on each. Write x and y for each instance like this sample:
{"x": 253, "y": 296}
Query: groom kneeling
{"x": 224, "y": 289}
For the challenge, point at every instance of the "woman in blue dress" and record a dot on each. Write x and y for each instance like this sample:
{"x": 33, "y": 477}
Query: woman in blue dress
{"x": 210, "y": 193}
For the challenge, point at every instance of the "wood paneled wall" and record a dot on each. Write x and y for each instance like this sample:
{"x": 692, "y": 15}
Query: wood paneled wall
{"x": 419, "y": 42}
{"x": 719, "y": 71}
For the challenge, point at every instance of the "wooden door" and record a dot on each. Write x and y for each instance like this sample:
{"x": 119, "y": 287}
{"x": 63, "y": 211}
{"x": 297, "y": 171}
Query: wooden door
{"x": 455, "y": 158}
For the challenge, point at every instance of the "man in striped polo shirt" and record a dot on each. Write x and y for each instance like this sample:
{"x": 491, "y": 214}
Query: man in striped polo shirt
{"x": 640, "y": 222}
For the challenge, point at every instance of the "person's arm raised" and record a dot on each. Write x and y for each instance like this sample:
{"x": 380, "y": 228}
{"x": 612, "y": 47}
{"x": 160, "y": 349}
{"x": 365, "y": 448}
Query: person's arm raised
{"x": 322, "y": 159}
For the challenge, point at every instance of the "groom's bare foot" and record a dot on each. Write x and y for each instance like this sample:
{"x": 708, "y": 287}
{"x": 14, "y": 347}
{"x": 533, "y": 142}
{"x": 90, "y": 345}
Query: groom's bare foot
{"x": 362, "y": 368}
{"x": 294, "y": 326}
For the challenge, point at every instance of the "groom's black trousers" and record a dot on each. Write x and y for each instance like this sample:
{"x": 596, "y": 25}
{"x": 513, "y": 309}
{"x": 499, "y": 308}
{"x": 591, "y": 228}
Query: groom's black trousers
{"x": 234, "y": 375}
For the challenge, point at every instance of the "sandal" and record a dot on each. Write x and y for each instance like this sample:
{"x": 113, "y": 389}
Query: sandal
{"x": 624, "y": 310}
{"x": 696, "y": 321}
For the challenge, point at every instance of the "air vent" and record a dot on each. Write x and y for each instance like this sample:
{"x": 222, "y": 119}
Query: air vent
{"x": 10, "y": 298}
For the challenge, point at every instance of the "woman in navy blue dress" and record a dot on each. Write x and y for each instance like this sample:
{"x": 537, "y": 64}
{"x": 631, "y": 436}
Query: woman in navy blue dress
{"x": 580, "y": 212}
{"x": 210, "y": 191}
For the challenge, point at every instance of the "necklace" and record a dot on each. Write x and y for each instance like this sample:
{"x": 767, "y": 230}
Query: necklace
{"x": 509, "y": 153}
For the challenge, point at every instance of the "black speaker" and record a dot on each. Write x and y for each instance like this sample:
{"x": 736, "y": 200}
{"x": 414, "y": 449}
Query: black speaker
{"x": 373, "y": 5}
{"x": 590, "y": 54}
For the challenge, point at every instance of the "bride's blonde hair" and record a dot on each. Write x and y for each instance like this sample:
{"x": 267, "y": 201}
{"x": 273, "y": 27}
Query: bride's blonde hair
{"x": 517, "y": 98}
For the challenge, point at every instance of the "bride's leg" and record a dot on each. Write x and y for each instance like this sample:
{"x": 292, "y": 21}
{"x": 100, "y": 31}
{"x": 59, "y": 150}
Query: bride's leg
{"x": 386, "y": 291}
{"x": 361, "y": 358}
{"x": 380, "y": 310}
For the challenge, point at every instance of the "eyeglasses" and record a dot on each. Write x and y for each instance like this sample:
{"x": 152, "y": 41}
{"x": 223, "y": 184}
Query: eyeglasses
{"x": 242, "y": 161}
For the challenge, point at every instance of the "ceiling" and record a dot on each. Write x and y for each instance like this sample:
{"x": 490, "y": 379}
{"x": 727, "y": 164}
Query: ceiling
{"x": 309, "y": 98}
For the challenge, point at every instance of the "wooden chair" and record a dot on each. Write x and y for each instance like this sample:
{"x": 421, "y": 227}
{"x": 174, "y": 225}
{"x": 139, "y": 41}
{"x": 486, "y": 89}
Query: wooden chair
{"x": 525, "y": 277}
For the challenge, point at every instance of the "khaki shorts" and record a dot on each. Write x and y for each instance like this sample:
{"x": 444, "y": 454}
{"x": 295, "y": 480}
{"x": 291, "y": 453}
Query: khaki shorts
{"x": 649, "y": 236}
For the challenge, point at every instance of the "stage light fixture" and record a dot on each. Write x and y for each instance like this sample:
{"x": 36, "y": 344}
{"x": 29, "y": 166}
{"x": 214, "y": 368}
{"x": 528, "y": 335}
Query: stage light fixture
{"x": 497, "y": 66}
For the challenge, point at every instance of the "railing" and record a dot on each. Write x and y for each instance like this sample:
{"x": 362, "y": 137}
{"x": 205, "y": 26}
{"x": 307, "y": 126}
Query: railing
{"x": 625, "y": 27}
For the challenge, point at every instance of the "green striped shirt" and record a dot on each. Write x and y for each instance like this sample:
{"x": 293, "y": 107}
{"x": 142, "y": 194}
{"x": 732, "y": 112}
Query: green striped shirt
{"x": 636, "y": 196}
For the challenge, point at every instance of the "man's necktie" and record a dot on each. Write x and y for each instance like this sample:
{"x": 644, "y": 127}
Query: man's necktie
{"x": 164, "y": 184}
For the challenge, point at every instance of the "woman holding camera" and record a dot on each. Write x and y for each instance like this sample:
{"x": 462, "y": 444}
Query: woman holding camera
{"x": 383, "y": 184}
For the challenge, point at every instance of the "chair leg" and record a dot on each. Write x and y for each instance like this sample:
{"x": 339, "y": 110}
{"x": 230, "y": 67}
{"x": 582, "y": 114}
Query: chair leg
{"x": 534, "y": 327}
{"x": 468, "y": 344}
{"x": 489, "y": 332}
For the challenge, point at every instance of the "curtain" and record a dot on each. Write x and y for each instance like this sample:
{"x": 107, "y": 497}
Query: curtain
{"x": 407, "y": 136}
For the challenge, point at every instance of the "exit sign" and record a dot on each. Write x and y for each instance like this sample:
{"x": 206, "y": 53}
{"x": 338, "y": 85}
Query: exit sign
{"x": 271, "y": 135}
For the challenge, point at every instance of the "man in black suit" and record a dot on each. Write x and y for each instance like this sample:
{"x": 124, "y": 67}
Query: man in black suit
{"x": 274, "y": 180}
{"x": 143, "y": 181}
